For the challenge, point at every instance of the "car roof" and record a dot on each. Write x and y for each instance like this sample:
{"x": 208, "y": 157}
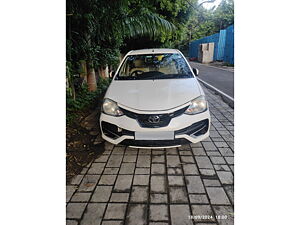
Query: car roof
{"x": 153, "y": 51}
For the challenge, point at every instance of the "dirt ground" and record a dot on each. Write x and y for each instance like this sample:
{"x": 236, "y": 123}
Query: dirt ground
{"x": 83, "y": 141}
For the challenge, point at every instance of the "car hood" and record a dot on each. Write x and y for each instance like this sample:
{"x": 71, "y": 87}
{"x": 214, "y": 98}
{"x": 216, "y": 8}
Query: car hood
{"x": 151, "y": 95}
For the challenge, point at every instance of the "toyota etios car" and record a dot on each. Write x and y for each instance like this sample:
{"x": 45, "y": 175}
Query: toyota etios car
{"x": 154, "y": 100}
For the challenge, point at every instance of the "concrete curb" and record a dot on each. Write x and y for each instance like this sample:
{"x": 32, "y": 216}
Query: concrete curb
{"x": 216, "y": 67}
{"x": 226, "y": 98}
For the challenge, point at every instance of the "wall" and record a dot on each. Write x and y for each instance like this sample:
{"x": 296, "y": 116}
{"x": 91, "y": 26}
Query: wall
{"x": 224, "y": 45}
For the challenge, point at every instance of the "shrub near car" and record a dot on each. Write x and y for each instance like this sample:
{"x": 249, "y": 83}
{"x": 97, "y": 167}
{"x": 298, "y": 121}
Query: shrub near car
{"x": 154, "y": 100}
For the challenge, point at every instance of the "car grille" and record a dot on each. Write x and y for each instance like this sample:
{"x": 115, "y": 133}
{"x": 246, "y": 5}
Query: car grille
{"x": 156, "y": 143}
{"x": 164, "y": 119}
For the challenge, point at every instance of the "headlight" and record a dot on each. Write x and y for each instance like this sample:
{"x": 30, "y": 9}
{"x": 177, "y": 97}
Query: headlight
{"x": 111, "y": 108}
{"x": 197, "y": 105}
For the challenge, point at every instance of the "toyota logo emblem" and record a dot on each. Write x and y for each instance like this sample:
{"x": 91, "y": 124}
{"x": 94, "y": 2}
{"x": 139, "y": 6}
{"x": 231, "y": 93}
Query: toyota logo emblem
{"x": 153, "y": 119}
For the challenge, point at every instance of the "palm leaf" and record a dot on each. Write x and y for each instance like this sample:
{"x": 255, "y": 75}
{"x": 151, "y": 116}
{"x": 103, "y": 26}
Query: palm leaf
{"x": 147, "y": 24}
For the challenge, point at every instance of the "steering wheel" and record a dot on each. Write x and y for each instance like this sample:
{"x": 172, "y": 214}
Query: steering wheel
{"x": 136, "y": 73}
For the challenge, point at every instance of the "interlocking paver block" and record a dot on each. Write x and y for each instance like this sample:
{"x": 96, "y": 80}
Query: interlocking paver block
{"x": 226, "y": 151}
{"x": 173, "y": 161}
{"x": 130, "y": 158}
{"x": 203, "y": 162}
{"x": 158, "y": 169}
{"x": 101, "y": 194}
{"x": 144, "y": 152}
{"x": 142, "y": 171}
{"x": 141, "y": 180}
{"x": 187, "y": 159}
{"x": 89, "y": 182}
{"x": 198, "y": 198}
{"x": 190, "y": 169}
{"x": 171, "y": 151}
{"x": 224, "y": 210}
{"x": 158, "y": 223}
{"x": 222, "y": 168}
{"x": 96, "y": 168}
{"x": 137, "y": 214}
{"x": 70, "y": 190}
{"x": 217, "y": 160}
{"x": 107, "y": 179}
{"x": 84, "y": 170}
{"x": 76, "y": 180}
{"x": 221, "y": 144}
{"x": 175, "y": 170}
{"x": 209, "y": 146}
{"x": 75, "y": 210}
{"x": 184, "y": 147}
{"x": 203, "y": 211}
{"x": 225, "y": 177}
{"x": 81, "y": 197}
{"x": 198, "y": 151}
{"x": 114, "y": 161}
{"x": 196, "y": 145}
{"x": 175, "y": 181}
{"x": 178, "y": 195}
{"x": 158, "y": 152}
{"x": 211, "y": 183}
{"x": 194, "y": 184}
{"x": 112, "y": 222}
{"x": 185, "y": 153}
{"x": 123, "y": 183}
{"x": 127, "y": 168}
{"x": 118, "y": 150}
{"x": 217, "y": 196}
{"x": 158, "y": 198}
{"x": 159, "y": 212}
{"x": 115, "y": 211}
{"x": 180, "y": 215}
{"x": 72, "y": 222}
{"x": 111, "y": 171}
{"x": 102, "y": 158}
{"x": 93, "y": 214}
{"x": 139, "y": 194}
{"x": 213, "y": 153}
{"x": 229, "y": 160}
{"x": 158, "y": 184}
{"x": 158, "y": 159}
{"x": 143, "y": 161}
{"x": 119, "y": 197}
{"x": 230, "y": 193}
{"x": 131, "y": 151}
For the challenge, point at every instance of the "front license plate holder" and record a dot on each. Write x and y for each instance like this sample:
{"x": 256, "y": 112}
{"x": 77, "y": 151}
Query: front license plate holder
{"x": 157, "y": 135}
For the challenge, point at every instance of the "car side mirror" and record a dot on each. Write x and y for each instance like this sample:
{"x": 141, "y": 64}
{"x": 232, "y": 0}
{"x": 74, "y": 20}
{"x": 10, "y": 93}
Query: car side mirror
{"x": 196, "y": 71}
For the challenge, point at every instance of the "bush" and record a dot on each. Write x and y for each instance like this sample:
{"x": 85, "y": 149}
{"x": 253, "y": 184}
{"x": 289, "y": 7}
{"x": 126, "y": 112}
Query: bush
{"x": 84, "y": 99}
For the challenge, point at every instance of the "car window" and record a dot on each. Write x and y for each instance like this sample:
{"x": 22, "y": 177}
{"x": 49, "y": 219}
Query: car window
{"x": 154, "y": 66}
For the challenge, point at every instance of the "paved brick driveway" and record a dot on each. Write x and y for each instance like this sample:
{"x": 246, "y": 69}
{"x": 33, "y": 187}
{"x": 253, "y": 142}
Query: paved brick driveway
{"x": 160, "y": 186}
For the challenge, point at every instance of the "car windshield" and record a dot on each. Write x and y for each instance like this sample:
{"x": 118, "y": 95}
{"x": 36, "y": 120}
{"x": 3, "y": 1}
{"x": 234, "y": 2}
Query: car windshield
{"x": 154, "y": 66}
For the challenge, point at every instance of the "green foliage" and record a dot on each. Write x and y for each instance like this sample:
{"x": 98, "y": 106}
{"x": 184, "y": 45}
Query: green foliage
{"x": 209, "y": 21}
{"x": 84, "y": 99}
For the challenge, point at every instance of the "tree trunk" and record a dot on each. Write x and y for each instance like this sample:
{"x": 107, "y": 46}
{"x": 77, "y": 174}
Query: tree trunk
{"x": 91, "y": 80}
{"x": 106, "y": 71}
{"x": 83, "y": 73}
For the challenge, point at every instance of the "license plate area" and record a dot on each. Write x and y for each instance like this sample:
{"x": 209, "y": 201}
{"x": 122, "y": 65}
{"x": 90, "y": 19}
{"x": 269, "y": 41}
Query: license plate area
{"x": 157, "y": 135}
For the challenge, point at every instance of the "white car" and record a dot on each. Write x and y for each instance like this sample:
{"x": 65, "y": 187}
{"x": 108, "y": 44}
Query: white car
{"x": 154, "y": 101}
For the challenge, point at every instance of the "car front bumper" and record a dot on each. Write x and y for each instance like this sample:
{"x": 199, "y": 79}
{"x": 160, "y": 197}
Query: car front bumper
{"x": 186, "y": 128}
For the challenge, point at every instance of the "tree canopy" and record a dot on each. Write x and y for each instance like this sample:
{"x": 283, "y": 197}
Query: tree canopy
{"x": 99, "y": 30}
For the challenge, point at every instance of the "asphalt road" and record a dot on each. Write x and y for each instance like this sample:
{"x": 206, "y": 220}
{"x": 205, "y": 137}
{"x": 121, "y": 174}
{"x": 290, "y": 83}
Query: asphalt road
{"x": 219, "y": 78}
